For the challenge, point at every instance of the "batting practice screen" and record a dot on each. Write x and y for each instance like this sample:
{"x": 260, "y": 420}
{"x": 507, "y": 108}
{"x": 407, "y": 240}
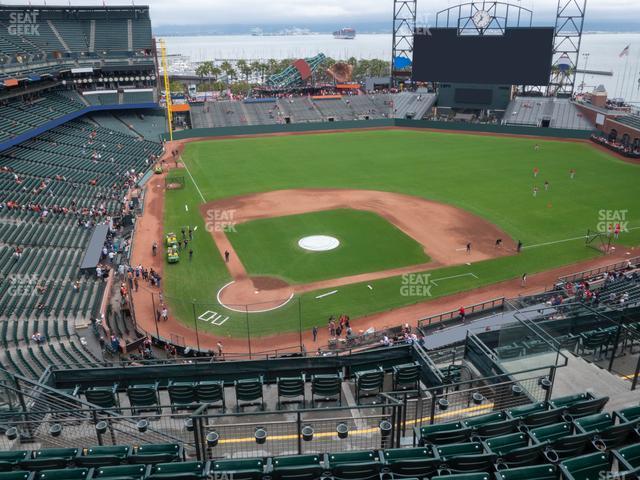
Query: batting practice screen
{"x": 522, "y": 56}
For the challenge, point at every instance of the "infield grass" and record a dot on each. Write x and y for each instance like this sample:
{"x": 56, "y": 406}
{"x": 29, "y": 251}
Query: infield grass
{"x": 487, "y": 175}
{"x": 368, "y": 243}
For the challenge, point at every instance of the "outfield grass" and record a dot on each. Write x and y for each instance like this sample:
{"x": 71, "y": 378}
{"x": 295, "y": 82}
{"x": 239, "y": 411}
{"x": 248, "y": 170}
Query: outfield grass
{"x": 489, "y": 176}
{"x": 368, "y": 243}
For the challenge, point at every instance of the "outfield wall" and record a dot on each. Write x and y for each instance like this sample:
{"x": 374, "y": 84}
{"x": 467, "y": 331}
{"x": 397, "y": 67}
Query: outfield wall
{"x": 379, "y": 123}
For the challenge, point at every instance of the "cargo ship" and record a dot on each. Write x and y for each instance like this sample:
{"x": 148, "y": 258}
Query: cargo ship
{"x": 345, "y": 34}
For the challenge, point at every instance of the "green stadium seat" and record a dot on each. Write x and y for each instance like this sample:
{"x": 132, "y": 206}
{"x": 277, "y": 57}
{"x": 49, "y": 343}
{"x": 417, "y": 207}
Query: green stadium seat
{"x": 406, "y": 376}
{"x": 463, "y": 476}
{"x": 594, "y": 466}
{"x": 369, "y": 382}
{"x": 144, "y": 398}
{"x": 10, "y": 459}
{"x": 466, "y": 457}
{"x": 629, "y": 414}
{"x": 296, "y": 467}
{"x": 560, "y": 442}
{"x": 442, "y": 433}
{"x": 290, "y": 388}
{"x": 326, "y": 386}
{"x": 16, "y": 475}
{"x": 606, "y": 434}
{"x": 514, "y": 450}
{"x": 121, "y": 472}
{"x": 419, "y": 462}
{"x": 180, "y": 470}
{"x": 182, "y": 396}
{"x": 628, "y": 458}
{"x": 537, "y": 472}
{"x": 361, "y": 465}
{"x": 536, "y": 415}
{"x": 49, "y": 458}
{"x": 491, "y": 425}
{"x": 156, "y": 453}
{"x": 64, "y": 474}
{"x": 103, "y": 456}
{"x": 105, "y": 397}
{"x": 211, "y": 392}
{"x": 238, "y": 469}
{"x": 579, "y": 405}
{"x": 249, "y": 392}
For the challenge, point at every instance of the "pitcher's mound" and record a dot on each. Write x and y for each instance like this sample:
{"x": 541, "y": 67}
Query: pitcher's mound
{"x": 255, "y": 294}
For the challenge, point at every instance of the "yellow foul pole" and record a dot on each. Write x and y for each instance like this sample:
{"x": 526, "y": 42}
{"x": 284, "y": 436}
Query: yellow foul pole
{"x": 167, "y": 88}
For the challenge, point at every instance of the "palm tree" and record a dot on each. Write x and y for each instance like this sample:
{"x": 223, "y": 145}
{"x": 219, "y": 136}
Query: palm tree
{"x": 228, "y": 70}
{"x": 244, "y": 68}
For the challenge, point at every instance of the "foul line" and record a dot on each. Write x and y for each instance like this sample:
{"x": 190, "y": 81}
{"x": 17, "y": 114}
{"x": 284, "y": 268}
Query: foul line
{"x": 327, "y": 294}
{"x": 453, "y": 276}
{"x": 566, "y": 240}
{"x": 192, "y": 179}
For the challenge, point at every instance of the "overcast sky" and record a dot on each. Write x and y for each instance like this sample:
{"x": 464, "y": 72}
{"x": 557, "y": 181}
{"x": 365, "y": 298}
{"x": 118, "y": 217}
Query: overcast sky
{"x": 294, "y": 12}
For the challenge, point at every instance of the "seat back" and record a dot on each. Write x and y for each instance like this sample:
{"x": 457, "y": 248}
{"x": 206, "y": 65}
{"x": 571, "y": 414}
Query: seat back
{"x": 102, "y": 397}
{"x": 179, "y": 470}
{"x": 121, "y": 472}
{"x": 444, "y": 433}
{"x": 629, "y": 414}
{"x": 182, "y": 393}
{"x": 142, "y": 396}
{"x": 406, "y": 375}
{"x": 239, "y": 469}
{"x": 524, "y": 410}
{"x": 629, "y": 457}
{"x": 248, "y": 390}
{"x": 63, "y": 474}
{"x": 326, "y": 385}
{"x": 618, "y": 436}
{"x": 505, "y": 443}
{"x": 592, "y": 423}
{"x": 370, "y": 380}
{"x": 571, "y": 445}
{"x": 587, "y": 407}
{"x": 463, "y": 476}
{"x": 538, "y": 419}
{"x": 534, "y": 472}
{"x": 586, "y": 467}
{"x": 290, "y": 386}
{"x": 355, "y": 465}
{"x": 549, "y": 433}
{"x": 15, "y": 475}
{"x": 210, "y": 391}
{"x": 103, "y": 455}
{"x": 479, "y": 420}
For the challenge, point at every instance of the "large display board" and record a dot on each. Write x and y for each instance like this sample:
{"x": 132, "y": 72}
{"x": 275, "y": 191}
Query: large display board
{"x": 521, "y": 56}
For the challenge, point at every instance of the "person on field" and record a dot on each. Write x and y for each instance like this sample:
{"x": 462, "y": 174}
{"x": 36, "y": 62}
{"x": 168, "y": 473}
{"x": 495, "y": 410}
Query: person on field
{"x": 315, "y": 334}
{"x": 546, "y": 185}
{"x": 536, "y": 171}
{"x": 462, "y": 313}
{"x": 535, "y": 192}
{"x": 469, "y": 248}
{"x": 616, "y": 231}
{"x": 226, "y": 256}
{"x": 190, "y": 254}
{"x": 523, "y": 282}
{"x": 519, "y": 247}
{"x": 572, "y": 173}
{"x": 498, "y": 243}
{"x": 154, "y": 248}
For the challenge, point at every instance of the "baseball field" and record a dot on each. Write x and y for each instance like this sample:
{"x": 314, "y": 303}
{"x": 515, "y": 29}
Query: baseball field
{"x": 403, "y": 205}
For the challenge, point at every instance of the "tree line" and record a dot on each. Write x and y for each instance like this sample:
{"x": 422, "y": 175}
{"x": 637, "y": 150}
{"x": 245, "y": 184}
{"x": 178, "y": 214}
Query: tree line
{"x": 243, "y": 75}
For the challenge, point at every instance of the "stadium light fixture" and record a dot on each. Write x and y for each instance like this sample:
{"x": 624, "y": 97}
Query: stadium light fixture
{"x": 343, "y": 430}
{"x": 307, "y": 433}
{"x": 55, "y": 430}
{"x": 260, "y": 435}
{"x": 212, "y": 438}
